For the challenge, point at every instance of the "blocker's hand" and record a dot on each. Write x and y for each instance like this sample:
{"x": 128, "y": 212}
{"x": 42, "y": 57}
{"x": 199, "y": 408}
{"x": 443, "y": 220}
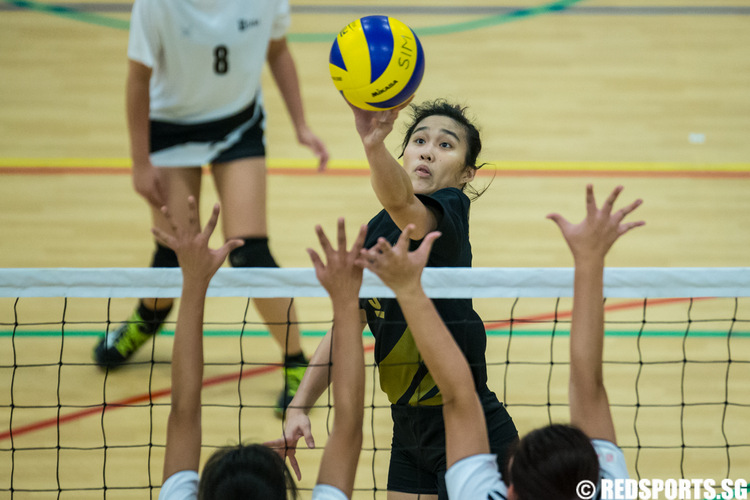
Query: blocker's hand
{"x": 596, "y": 233}
{"x": 400, "y": 269}
{"x": 297, "y": 426}
{"x": 198, "y": 262}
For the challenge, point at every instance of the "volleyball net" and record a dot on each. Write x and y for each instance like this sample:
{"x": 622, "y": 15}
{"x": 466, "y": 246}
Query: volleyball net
{"x": 676, "y": 365}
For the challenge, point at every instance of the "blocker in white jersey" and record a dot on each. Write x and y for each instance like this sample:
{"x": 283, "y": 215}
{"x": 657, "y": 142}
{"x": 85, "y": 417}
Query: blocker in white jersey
{"x": 477, "y": 476}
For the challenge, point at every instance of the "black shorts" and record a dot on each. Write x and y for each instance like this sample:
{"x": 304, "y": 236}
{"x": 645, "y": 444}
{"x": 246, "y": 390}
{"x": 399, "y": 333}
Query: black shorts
{"x": 418, "y": 447}
{"x": 238, "y": 136}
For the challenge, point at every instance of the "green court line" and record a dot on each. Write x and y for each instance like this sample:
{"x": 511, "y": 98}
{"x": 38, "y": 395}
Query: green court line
{"x": 321, "y": 333}
{"x": 496, "y": 20}
{"x": 75, "y": 14}
{"x": 446, "y": 29}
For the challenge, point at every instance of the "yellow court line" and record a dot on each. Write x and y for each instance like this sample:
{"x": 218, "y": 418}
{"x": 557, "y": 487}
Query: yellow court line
{"x": 280, "y": 165}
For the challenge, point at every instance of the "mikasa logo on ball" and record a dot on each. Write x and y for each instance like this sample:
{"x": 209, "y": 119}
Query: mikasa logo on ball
{"x": 387, "y": 87}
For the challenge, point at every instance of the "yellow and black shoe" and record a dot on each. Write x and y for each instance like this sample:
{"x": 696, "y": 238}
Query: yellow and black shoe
{"x": 116, "y": 347}
{"x": 293, "y": 373}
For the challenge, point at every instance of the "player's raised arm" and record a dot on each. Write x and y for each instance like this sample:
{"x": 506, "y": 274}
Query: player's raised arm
{"x": 340, "y": 273}
{"x": 589, "y": 242}
{"x": 465, "y": 428}
{"x": 198, "y": 263}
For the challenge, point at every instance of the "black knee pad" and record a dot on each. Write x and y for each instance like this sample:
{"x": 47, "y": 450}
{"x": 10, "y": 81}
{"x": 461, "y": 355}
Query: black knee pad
{"x": 164, "y": 257}
{"x": 254, "y": 253}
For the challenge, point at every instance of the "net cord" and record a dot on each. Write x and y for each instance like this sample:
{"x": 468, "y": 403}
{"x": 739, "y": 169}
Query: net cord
{"x": 477, "y": 282}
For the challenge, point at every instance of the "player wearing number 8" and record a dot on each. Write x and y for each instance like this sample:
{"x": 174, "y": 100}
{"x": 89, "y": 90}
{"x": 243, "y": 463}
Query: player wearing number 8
{"x": 194, "y": 98}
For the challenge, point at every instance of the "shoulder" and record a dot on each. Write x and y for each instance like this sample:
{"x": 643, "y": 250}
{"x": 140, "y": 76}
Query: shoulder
{"x": 451, "y": 207}
{"x": 611, "y": 459}
{"x": 451, "y": 197}
{"x": 474, "y": 477}
{"x": 327, "y": 492}
{"x": 181, "y": 485}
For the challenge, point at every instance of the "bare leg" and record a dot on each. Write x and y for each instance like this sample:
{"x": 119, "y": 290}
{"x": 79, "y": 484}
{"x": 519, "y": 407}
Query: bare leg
{"x": 179, "y": 183}
{"x": 241, "y": 186}
{"x": 119, "y": 344}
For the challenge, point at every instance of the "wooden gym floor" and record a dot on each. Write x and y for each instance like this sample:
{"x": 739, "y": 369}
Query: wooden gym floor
{"x": 602, "y": 91}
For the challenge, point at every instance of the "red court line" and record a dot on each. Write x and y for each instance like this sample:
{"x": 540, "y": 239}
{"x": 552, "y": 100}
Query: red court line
{"x": 254, "y": 372}
{"x": 566, "y": 314}
{"x": 124, "y": 403}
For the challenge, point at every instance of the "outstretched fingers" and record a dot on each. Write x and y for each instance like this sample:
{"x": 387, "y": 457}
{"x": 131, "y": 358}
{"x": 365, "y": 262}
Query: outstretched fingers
{"x": 325, "y": 244}
{"x": 591, "y": 208}
{"x": 164, "y": 238}
{"x": 607, "y": 207}
{"x": 212, "y": 220}
{"x": 359, "y": 242}
{"x": 316, "y": 260}
{"x": 170, "y": 220}
{"x": 383, "y": 246}
{"x": 423, "y": 252}
{"x": 230, "y": 245}
{"x": 404, "y": 237}
{"x": 623, "y": 212}
{"x": 286, "y": 449}
{"x": 341, "y": 235}
{"x": 561, "y": 221}
{"x": 193, "y": 217}
{"x": 624, "y": 228}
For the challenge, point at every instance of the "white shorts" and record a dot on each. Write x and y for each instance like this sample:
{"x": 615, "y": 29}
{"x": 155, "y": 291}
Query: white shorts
{"x": 194, "y": 145}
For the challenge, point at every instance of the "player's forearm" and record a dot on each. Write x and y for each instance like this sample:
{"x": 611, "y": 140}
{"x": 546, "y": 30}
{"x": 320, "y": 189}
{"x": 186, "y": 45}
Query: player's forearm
{"x": 347, "y": 368}
{"x": 388, "y": 179}
{"x": 284, "y": 73}
{"x": 187, "y": 350}
{"x": 587, "y": 325}
{"x": 316, "y": 378}
{"x": 137, "y": 107}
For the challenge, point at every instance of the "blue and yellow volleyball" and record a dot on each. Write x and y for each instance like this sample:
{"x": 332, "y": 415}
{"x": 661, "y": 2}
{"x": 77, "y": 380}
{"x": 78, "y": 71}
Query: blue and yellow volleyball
{"x": 376, "y": 62}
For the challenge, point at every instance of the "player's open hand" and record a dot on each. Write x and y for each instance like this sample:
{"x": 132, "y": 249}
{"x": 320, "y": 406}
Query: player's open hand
{"x": 147, "y": 183}
{"x": 341, "y": 273}
{"x": 374, "y": 126}
{"x": 398, "y": 268}
{"x": 593, "y": 237}
{"x": 306, "y": 137}
{"x": 198, "y": 262}
{"x": 297, "y": 426}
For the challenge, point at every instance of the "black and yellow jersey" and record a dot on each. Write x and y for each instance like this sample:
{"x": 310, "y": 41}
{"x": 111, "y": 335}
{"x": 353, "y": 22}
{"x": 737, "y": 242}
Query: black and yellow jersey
{"x": 403, "y": 374}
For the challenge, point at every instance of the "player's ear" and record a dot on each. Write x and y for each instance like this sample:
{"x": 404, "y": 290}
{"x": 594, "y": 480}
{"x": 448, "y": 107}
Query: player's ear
{"x": 468, "y": 175}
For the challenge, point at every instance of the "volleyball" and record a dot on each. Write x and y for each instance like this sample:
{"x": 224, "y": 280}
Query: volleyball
{"x": 376, "y": 62}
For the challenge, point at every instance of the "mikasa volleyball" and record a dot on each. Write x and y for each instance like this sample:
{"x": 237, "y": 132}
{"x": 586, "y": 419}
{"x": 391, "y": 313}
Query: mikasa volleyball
{"x": 376, "y": 62}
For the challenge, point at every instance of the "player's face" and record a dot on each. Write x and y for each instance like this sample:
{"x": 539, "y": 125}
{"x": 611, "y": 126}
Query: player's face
{"x": 435, "y": 157}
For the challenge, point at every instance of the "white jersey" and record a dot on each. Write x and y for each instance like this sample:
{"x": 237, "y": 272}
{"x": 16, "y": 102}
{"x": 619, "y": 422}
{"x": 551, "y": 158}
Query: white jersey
{"x": 477, "y": 477}
{"x": 206, "y": 56}
{"x": 327, "y": 492}
{"x": 183, "y": 485}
